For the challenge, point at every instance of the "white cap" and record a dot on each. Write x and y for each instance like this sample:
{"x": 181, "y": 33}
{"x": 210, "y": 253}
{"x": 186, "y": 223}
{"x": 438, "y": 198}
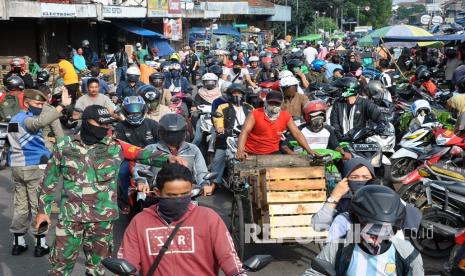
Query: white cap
{"x": 331, "y": 44}
{"x": 253, "y": 58}
{"x": 288, "y": 81}
{"x": 133, "y": 70}
{"x": 285, "y": 73}
{"x": 138, "y": 44}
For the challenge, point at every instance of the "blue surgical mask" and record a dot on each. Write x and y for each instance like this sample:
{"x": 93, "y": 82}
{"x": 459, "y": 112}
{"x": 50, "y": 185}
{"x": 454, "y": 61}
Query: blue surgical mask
{"x": 35, "y": 110}
{"x": 175, "y": 74}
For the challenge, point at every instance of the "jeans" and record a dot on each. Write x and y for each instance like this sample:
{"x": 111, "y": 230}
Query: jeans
{"x": 198, "y": 134}
{"x": 121, "y": 73}
{"x": 218, "y": 164}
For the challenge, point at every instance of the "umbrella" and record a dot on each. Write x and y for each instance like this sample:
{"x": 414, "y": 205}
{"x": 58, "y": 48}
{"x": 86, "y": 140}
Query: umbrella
{"x": 310, "y": 37}
{"x": 373, "y": 38}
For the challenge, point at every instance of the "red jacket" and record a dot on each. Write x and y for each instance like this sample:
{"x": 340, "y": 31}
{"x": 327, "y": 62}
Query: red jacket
{"x": 202, "y": 245}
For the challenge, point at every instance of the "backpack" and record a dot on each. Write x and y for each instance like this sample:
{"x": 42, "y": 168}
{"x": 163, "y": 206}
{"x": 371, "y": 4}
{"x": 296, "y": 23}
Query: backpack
{"x": 344, "y": 255}
{"x": 9, "y": 107}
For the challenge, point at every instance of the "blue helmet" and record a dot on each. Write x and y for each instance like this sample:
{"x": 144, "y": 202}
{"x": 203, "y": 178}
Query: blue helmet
{"x": 317, "y": 64}
{"x": 134, "y": 109}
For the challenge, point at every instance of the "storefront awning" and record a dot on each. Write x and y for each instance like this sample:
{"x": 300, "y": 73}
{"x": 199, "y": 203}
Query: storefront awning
{"x": 138, "y": 30}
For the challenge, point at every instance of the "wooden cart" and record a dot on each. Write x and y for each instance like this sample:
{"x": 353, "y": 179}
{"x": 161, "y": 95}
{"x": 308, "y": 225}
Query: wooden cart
{"x": 275, "y": 197}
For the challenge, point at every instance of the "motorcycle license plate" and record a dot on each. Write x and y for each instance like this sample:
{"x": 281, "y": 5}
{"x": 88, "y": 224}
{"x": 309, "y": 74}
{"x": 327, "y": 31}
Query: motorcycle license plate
{"x": 366, "y": 147}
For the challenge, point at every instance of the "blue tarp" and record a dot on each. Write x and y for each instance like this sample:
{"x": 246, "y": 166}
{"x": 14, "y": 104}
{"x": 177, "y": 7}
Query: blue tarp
{"x": 163, "y": 46}
{"x": 424, "y": 38}
{"x": 138, "y": 30}
{"x": 198, "y": 33}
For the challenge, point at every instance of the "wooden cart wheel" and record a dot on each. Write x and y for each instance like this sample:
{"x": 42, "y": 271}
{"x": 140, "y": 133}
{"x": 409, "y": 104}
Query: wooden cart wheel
{"x": 237, "y": 226}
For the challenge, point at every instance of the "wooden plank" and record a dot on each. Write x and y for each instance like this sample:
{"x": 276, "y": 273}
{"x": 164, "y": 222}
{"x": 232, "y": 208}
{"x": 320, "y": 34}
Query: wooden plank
{"x": 296, "y": 208}
{"x": 295, "y": 233}
{"x": 296, "y": 184}
{"x": 299, "y": 220}
{"x": 282, "y": 160}
{"x": 301, "y": 196}
{"x": 295, "y": 173}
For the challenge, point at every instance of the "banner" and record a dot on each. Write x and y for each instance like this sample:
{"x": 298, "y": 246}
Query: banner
{"x": 172, "y": 28}
{"x": 57, "y": 10}
{"x": 157, "y": 8}
{"x": 174, "y": 7}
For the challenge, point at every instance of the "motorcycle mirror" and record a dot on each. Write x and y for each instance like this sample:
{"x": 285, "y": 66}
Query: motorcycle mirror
{"x": 257, "y": 262}
{"x": 439, "y": 228}
{"x": 196, "y": 192}
{"x": 210, "y": 176}
{"x": 119, "y": 266}
{"x": 146, "y": 173}
{"x": 217, "y": 115}
{"x": 323, "y": 267}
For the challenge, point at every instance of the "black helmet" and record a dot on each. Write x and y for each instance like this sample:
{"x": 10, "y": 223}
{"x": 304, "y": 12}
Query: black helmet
{"x": 461, "y": 84}
{"x": 14, "y": 83}
{"x": 157, "y": 79}
{"x": 297, "y": 55}
{"x": 216, "y": 69}
{"x": 349, "y": 86}
{"x": 376, "y": 204}
{"x": 235, "y": 99}
{"x": 216, "y": 61}
{"x": 419, "y": 69}
{"x": 424, "y": 75}
{"x": 451, "y": 52}
{"x": 134, "y": 109}
{"x": 43, "y": 76}
{"x": 149, "y": 93}
{"x": 293, "y": 63}
{"x": 172, "y": 129}
{"x": 375, "y": 90}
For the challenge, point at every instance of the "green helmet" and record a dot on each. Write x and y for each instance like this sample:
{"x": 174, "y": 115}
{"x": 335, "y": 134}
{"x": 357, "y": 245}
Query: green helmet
{"x": 348, "y": 86}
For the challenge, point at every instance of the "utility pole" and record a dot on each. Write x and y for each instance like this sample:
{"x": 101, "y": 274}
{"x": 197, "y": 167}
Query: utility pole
{"x": 342, "y": 19}
{"x": 297, "y": 21}
{"x": 358, "y": 15}
{"x": 285, "y": 23}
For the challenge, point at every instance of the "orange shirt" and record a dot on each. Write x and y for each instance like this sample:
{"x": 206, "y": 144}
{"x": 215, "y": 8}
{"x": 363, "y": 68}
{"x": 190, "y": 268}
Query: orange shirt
{"x": 266, "y": 135}
{"x": 145, "y": 72}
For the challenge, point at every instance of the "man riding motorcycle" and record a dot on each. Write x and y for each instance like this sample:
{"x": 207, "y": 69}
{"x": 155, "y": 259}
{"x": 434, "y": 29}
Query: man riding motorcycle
{"x": 11, "y": 100}
{"x": 152, "y": 97}
{"x": 352, "y": 111}
{"x": 209, "y": 91}
{"x": 172, "y": 133}
{"x": 317, "y": 73}
{"x": 293, "y": 101}
{"x": 266, "y": 73}
{"x": 295, "y": 66}
{"x": 41, "y": 82}
{"x": 158, "y": 81}
{"x": 129, "y": 86}
{"x": 18, "y": 68}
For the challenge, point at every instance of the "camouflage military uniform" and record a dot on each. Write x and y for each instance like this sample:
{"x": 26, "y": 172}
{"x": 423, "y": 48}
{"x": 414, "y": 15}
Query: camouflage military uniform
{"x": 88, "y": 201}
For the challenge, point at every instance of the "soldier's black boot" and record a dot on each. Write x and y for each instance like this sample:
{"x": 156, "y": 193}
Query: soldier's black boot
{"x": 19, "y": 245}
{"x": 41, "y": 248}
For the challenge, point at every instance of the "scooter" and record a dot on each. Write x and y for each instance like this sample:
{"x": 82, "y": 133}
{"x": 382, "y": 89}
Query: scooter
{"x": 124, "y": 268}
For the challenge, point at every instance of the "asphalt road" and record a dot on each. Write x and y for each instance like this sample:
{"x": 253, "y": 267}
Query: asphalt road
{"x": 289, "y": 259}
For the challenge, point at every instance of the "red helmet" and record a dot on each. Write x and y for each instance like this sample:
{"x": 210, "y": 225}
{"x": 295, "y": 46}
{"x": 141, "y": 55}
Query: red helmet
{"x": 267, "y": 60}
{"x": 314, "y": 108}
{"x": 273, "y": 50}
{"x": 17, "y": 62}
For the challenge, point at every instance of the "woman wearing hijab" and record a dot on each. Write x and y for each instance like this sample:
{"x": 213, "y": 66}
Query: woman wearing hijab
{"x": 352, "y": 65}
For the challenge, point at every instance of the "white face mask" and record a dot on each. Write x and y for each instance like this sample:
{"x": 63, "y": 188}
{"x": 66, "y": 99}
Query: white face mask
{"x": 272, "y": 112}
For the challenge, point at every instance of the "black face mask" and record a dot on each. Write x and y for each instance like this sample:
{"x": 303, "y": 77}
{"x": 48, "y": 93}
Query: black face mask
{"x": 236, "y": 70}
{"x": 236, "y": 100}
{"x": 354, "y": 185}
{"x": 316, "y": 123}
{"x": 173, "y": 208}
{"x": 91, "y": 134}
{"x": 174, "y": 138}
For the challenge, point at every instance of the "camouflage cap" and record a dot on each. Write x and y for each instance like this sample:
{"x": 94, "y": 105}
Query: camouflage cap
{"x": 34, "y": 94}
{"x": 98, "y": 113}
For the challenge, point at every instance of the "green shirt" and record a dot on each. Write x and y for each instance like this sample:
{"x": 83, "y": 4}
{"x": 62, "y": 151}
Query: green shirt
{"x": 89, "y": 177}
{"x": 141, "y": 54}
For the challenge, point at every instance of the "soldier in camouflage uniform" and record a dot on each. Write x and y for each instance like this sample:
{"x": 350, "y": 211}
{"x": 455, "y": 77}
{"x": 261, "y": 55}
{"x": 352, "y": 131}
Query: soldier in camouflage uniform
{"x": 89, "y": 164}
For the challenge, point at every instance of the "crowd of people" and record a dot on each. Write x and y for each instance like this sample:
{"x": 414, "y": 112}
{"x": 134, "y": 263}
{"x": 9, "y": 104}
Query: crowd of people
{"x": 151, "y": 119}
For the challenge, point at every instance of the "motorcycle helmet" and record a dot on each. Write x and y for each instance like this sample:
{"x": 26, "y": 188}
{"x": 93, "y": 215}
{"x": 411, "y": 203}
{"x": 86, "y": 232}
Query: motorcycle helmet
{"x": 461, "y": 85}
{"x": 288, "y": 81}
{"x": 175, "y": 66}
{"x": 419, "y": 69}
{"x": 224, "y": 88}
{"x": 149, "y": 93}
{"x": 134, "y": 109}
{"x": 235, "y": 87}
{"x": 216, "y": 69}
{"x": 317, "y": 64}
{"x": 421, "y": 107}
{"x": 424, "y": 75}
{"x": 285, "y": 73}
{"x": 85, "y": 43}
{"x": 377, "y": 205}
{"x": 294, "y": 64}
{"x": 253, "y": 59}
{"x": 172, "y": 129}
{"x": 175, "y": 57}
{"x": 315, "y": 115}
{"x": 133, "y": 74}
{"x": 14, "y": 83}
{"x": 209, "y": 81}
{"x": 349, "y": 86}
{"x": 375, "y": 90}
{"x": 451, "y": 52}
{"x": 43, "y": 77}
{"x": 17, "y": 62}
{"x": 157, "y": 79}
{"x": 297, "y": 54}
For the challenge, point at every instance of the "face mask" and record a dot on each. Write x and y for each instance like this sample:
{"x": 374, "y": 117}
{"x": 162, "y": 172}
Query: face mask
{"x": 210, "y": 86}
{"x": 173, "y": 208}
{"x": 35, "y": 110}
{"x": 354, "y": 185}
{"x": 167, "y": 74}
{"x": 272, "y": 112}
{"x": 236, "y": 70}
{"x": 316, "y": 123}
{"x": 174, "y": 138}
{"x": 236, "y": 100}
{"x": 154, "y": 105}
{"x": 175, "y": 74}
{"x": 148, "y": 62}
{"x": 91, "y": 134}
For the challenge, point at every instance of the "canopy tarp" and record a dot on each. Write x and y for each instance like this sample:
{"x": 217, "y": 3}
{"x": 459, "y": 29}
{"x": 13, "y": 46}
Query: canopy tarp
{"x": 310, "y": 37}
{"x": 455, "y": 37}
{"x": 163, "y": 46}
{"x": 337, "y": 36}
{"x": 222, "y": 30}
{"x": 138, "y": 30}
{"x": 408, "y": 31}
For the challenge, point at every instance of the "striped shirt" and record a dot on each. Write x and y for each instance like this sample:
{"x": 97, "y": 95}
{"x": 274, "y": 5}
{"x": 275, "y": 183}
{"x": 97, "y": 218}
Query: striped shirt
{"x": 363, "y": 263}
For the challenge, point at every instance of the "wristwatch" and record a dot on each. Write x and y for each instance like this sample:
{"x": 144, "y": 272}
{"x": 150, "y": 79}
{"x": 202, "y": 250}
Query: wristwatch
{"x": 331, "y": 200}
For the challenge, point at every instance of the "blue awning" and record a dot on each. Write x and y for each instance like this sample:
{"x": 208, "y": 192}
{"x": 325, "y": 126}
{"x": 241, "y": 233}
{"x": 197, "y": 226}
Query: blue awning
{"x": 163, "y": 46}
{"x": 222, "y": 30}
{"x": 433, "y": 38}
{"x": 138, "y": 30}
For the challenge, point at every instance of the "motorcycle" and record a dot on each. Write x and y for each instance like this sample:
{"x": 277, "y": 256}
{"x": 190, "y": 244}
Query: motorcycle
{"x": 124, "y": 268}
{"x": 203, "y": 113}
{"x": 456, "y": 264}
{"x": 4, "y": 145}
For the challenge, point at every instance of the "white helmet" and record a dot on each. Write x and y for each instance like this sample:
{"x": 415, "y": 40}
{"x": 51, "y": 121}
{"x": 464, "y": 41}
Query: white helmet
{"x": 85, "y": 43}
{"x": 420, "y": 105}
{"x": 209, "y": 77}
{"x": 285, "y": 73}
{"x": 253, "y": 59}
{"x": 288, "y": 81}
{"x": 133, "y": 70}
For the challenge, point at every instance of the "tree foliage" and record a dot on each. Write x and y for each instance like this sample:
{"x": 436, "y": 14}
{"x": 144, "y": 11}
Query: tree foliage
{"x": 405, "y": 12}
